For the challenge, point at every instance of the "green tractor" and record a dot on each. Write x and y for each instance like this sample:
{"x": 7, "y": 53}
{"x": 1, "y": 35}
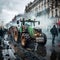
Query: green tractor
{"x": 30, "y": 34}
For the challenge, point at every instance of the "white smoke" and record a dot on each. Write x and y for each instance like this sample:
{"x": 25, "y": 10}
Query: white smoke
{"x": 10, "y": 8}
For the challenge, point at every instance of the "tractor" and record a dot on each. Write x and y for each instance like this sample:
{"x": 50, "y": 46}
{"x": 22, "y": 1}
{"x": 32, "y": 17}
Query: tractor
{"x": 31, "y": 34}
{"x": 27, "y": 33}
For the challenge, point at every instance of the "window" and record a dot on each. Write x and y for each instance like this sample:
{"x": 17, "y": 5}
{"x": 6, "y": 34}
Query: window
{"x": 54, "y": 12}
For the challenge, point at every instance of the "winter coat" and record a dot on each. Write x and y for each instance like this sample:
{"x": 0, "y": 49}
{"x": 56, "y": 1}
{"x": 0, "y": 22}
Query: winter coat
{"x": 54, "y": 31}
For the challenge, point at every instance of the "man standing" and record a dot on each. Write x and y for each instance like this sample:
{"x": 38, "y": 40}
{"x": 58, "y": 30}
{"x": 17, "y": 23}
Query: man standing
{"x": 54, "y": 33}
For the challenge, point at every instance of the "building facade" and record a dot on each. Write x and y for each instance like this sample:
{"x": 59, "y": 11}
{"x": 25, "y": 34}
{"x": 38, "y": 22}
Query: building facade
{"x": 46, "y": 11}
{"x": 51, "y": 7}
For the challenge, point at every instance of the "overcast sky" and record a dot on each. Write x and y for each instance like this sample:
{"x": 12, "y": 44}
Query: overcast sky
{"x": 10, "y": 8}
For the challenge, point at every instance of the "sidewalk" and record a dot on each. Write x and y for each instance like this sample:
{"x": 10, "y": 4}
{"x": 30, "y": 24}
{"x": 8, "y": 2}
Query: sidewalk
{"x": 48, "y": 34}
{"x": 58, "y": 40}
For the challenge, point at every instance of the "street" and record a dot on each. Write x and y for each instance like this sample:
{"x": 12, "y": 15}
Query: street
{"x": 43, "y": 52}
{"x": 12, "y": 50}
{"x": 8, "y": 54}
{"x": 30, "y": 30}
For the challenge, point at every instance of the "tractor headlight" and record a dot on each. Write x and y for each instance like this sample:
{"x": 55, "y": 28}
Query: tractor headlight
{"x": 37, "y": 34}
{"x": 23, "y": 41}
{"x": 23, "y": 44}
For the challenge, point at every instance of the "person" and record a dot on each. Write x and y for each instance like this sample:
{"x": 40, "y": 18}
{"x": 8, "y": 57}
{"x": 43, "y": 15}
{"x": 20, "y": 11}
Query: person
{"x": 54, "y": 33}
{"x": 1, "y": 32}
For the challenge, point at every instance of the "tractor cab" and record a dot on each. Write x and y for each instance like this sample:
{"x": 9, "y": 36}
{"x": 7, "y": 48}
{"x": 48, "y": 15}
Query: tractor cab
{"x": 28, "y": 26}
{"x": 29, "y": 32}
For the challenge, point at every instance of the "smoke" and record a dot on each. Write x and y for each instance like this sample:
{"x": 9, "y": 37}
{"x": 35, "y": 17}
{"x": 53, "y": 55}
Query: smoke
{"x": 10, "y": 8}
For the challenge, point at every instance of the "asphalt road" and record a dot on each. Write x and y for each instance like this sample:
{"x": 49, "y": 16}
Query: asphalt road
{"x": 47, "y": 52}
